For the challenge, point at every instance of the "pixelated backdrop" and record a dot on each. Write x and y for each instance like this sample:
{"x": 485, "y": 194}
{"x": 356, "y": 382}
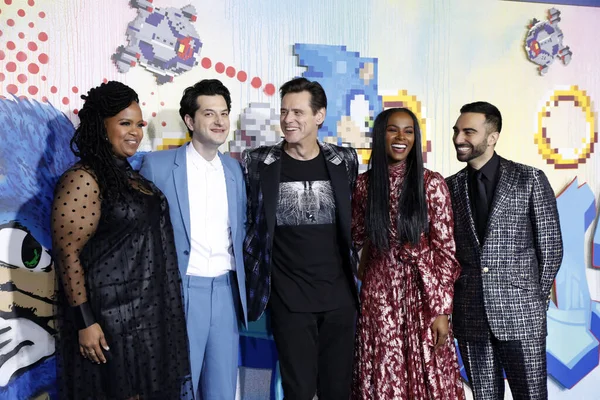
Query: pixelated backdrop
{"x": 537, "y": 61}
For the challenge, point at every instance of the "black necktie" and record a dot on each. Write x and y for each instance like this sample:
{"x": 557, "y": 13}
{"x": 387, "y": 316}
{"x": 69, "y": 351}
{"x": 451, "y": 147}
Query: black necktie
{"x": 481, "y": 206}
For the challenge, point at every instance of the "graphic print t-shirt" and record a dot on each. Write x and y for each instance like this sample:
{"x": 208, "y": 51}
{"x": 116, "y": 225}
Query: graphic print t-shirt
{"x": 308, "y": 274}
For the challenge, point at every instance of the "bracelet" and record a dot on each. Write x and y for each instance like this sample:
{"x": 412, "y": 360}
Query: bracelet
{"x": 83, "y": 315}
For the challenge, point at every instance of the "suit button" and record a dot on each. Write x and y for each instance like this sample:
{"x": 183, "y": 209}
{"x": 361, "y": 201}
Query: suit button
{"x": 185, "y": 252}
{"x": 486, "y": 269}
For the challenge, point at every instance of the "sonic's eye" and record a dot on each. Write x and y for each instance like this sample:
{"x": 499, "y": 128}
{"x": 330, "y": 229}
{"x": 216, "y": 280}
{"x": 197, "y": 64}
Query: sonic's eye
{"x": 19, "y": 249}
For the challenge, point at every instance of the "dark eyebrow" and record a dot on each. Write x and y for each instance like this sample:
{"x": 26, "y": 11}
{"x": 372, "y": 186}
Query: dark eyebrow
{"x": 130, "y": 120}
{"x": 396, "y": 126}
{"x": 210, "y": 109}
{"x": 455, "y": 128}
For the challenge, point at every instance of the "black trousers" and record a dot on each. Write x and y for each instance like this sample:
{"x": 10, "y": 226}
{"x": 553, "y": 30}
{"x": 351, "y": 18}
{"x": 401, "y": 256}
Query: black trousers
{"x": 315, "y": 350}
{"x": 523, "y": 361}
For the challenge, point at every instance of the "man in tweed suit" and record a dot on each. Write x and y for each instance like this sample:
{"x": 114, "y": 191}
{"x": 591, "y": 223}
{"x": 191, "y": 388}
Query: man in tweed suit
{"x": 298, "y": 251}
{"x": 509, "y": 245}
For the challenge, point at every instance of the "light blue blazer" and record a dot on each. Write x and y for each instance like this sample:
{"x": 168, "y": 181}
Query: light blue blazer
{"x": 168, "y": 170}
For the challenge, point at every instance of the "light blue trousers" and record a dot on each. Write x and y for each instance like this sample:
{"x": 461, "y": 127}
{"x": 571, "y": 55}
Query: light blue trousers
{"x": 212, "y": 325}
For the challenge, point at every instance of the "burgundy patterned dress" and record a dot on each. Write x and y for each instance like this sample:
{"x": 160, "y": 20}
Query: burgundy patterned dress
{"x": 403, "y": 291}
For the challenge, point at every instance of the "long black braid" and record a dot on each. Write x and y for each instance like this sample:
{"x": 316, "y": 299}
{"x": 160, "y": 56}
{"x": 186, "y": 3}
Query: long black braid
{"x": 90, "y": 141}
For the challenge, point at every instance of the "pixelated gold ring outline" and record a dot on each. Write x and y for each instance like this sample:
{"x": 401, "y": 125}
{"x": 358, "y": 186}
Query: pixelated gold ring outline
{"x": 552, "y": 155}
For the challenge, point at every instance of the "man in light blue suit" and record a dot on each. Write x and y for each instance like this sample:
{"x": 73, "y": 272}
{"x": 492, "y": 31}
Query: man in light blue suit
{"x": 207, "y": 202}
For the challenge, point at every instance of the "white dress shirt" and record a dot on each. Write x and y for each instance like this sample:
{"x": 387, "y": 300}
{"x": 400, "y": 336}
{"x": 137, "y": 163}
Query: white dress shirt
{"x": 211, "y": 252}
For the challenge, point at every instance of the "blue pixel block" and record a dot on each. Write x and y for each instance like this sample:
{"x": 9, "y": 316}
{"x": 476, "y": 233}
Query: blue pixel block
{"x": 346, "y": 77}
{"x": 572, "y": 348}
{"x": 596, "y": 248}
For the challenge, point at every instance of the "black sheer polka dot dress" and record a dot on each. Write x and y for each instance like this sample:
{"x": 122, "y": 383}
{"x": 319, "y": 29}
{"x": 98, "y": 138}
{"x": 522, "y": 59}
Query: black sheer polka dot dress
{"x": 119, "y": 258}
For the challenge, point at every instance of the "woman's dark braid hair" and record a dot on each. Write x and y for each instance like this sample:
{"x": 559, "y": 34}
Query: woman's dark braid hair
{"x": 90, "y": 142}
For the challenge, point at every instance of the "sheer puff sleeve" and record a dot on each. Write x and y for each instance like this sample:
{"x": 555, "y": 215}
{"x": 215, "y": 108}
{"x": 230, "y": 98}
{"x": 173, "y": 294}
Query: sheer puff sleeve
{"x": 75, "y": 216}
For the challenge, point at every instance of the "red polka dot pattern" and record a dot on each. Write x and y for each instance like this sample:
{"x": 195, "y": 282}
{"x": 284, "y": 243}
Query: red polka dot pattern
{"x": 230, "y": 72}
{"x": 256, "y": 82}
{"x": 269, "y": 89}
{"x": 242, "y": 76}
{"x": 22, "y": 57}
{"x": 12, "y": 89}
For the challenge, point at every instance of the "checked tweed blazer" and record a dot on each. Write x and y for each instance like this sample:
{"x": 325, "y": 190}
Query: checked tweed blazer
{"x": 262, "y": 170}
{"x": 506, "y": 280}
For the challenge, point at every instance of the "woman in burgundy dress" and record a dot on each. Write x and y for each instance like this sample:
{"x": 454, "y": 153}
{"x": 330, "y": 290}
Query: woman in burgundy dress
{"x": 404, "y": 347}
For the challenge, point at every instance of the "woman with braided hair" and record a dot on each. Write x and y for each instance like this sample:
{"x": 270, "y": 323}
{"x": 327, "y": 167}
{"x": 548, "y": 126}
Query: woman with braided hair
{"x": 121, "y": 325}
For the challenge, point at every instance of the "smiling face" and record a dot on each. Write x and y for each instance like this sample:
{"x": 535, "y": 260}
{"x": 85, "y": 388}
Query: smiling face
{"x": 472, "y": 140}
{"x": 124, "y": 131}
{"x": 210, "y": 123}
{"x": 298, "y": 122}
{"x": 399, "y": 137}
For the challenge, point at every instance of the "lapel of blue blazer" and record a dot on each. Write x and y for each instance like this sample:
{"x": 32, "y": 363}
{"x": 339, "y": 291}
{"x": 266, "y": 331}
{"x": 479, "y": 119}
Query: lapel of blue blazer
{"x": 231, "y": 195}
{"x": 181, "y": 187}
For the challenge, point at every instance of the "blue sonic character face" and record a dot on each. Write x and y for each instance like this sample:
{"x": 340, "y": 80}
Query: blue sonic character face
{"x": 34, "y": 153}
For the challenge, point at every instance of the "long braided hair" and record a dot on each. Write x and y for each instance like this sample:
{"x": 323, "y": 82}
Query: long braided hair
{"x": 412, "y": 207}
{"x": 90, "y": 142}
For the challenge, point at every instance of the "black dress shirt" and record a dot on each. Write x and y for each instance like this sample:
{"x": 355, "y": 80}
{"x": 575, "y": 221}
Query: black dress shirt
{"x": 490, "y": 175}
